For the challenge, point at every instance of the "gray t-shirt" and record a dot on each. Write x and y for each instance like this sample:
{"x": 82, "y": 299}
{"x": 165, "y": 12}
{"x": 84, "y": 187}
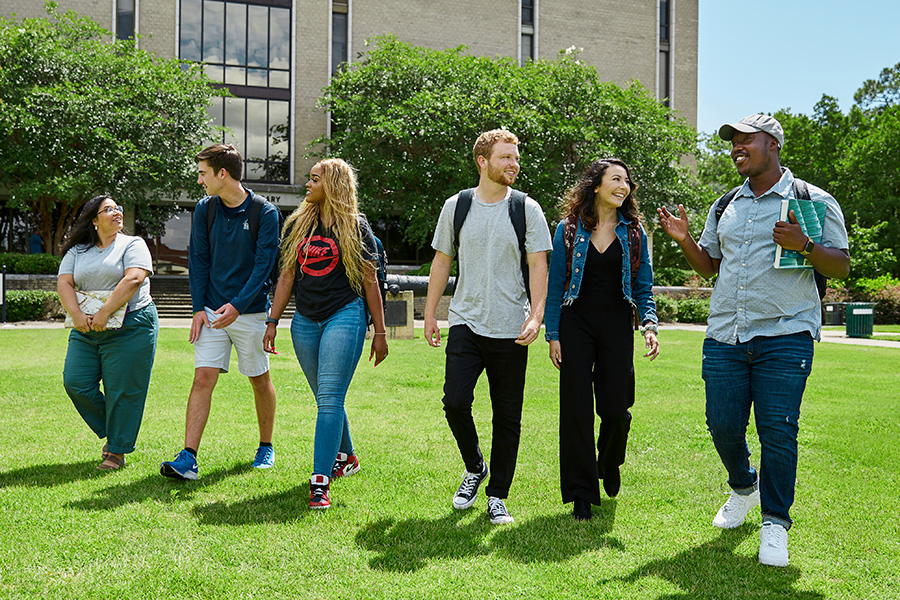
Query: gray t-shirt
{"x": 96, "y": 269}
{"x": 490, "y": 296}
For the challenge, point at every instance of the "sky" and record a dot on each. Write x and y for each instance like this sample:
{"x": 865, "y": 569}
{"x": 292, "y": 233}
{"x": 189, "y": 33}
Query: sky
{"x": 766, "y": 55}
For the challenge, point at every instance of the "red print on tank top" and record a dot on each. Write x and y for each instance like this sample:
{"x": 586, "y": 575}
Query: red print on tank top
{"x": 317, "y": 255}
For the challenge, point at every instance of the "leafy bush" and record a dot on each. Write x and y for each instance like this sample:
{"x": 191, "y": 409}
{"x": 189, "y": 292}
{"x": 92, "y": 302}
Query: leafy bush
{"x": 39, "y": 264}
{"x": 682, "y": 310}
{"x": 29, "y": 305}
{"x": 670, "y": 276}
{"x": 426, "y": 270}
{"x": 693, "y": 310}
{"x": 666, "y": 307}
{"x": 885, "y": 292}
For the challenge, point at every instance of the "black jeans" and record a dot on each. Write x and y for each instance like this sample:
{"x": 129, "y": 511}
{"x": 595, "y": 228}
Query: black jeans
{"x": 468, "y": 354}
{"x": 596, "y": 375}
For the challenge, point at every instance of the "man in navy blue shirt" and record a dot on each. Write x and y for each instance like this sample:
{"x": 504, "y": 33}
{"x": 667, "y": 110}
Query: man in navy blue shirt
{"x": 229, "y": 275}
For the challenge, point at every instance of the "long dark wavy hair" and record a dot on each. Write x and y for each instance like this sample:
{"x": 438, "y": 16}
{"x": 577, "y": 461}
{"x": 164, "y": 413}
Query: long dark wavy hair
{"x": 579, "y": 199}
{"x": 82, "y": 231}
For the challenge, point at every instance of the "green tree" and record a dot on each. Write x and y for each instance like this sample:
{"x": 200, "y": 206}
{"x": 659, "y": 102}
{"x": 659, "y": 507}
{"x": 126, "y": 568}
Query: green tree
{"x": 406, "y": 117}
{"x": 82, "y": 113}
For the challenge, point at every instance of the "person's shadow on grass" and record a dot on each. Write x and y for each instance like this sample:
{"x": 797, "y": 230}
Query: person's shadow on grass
{"x": 712, "y": 571}
{"x": 153, "y": 487}
{"x": 282, "y": 507}
{"x": 50, "y": 475}
{"x": 406, "y": 546}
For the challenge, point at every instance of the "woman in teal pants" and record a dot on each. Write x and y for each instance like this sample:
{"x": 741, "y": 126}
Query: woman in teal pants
{"x": 100, "y": 259}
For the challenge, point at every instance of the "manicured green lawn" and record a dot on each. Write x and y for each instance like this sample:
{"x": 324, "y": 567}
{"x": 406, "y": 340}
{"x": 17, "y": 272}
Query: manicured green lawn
{"x": 71, "y": 532}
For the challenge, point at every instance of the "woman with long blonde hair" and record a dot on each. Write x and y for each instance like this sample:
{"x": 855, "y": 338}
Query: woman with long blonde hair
{"x": 328, "y": 257}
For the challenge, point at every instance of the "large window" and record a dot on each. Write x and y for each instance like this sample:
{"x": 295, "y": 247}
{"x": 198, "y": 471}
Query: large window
{"x": 663, "y": 88}
{"x": 340, "y": 34}
{"x": 247, "y": 47}
{"x": 528, "y": 24}
{"x": 125, "y": 19}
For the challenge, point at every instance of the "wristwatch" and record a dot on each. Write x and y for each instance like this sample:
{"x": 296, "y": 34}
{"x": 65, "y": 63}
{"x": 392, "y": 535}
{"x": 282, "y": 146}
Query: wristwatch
{"x": 271, "y": 321}
{"x": 808, "y": 247}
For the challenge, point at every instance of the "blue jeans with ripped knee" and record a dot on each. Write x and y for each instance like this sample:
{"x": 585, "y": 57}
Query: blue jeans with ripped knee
{"x": 328, "y": 352}
{"x": 769, "y": 374}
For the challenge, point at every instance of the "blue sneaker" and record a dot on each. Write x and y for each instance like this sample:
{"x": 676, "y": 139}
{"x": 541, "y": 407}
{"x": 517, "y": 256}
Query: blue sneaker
{"x": 183, "y": 467}
{"x": 265, "y": 458}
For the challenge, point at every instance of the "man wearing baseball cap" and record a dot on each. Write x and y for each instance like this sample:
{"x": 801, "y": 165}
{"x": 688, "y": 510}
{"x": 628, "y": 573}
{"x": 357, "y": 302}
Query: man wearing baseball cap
{"x": 762, "y": 322}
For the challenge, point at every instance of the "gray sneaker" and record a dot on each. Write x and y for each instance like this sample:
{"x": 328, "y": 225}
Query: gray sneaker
{"x": 497, "y": 511}
{"x": 468, "y": 489}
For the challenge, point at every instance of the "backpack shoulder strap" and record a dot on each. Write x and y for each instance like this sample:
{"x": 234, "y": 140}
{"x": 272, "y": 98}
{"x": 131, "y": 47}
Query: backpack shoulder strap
{"x": 571, "y": 228}
{"x": 723, "y": 202}
{"x": 463, "y": 203}
{"x": 256, "y": 206}
{"x": 634, "y": 250}
{"x": 801, "y": 190}
{"x": 212, "y": 207}
{"x": 517, "y": 216}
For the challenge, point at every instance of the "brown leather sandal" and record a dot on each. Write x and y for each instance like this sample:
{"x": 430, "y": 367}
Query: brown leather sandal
{"x": 111, "y": 463}
{"x": 103, "y": 453}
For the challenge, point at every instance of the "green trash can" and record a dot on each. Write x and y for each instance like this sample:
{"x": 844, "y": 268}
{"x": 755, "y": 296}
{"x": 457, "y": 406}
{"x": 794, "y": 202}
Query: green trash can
{"x": 860, "y": 318}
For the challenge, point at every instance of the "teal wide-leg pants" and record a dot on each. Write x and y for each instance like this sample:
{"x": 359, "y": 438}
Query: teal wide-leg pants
{"x": 123, "y": 360}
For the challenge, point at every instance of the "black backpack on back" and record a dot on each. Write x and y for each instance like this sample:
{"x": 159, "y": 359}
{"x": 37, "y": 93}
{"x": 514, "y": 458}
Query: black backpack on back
{"x": 801, "y": 192}
{"x": 256, "y": 205}
{"x": 516, "y": 215}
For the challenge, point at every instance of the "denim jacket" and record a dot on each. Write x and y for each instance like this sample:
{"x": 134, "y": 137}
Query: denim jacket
{"x": 557, "y": 294}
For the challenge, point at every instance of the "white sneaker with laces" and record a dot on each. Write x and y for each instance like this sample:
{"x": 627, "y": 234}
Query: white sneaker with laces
{"x": 497, "y": 511}
{"x": 773, "y": 542}
{"x": 735, "y": 510}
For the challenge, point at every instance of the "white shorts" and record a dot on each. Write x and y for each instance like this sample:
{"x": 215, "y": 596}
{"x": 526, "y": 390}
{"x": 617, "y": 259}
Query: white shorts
{"x": 213, "y": 347}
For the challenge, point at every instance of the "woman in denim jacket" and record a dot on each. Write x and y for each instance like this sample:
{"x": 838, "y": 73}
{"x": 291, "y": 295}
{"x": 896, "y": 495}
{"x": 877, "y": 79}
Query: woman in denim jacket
{"x": 590, "y": 315}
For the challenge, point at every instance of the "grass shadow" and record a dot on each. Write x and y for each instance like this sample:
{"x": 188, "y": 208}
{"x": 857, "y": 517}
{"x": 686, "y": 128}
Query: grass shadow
{"x": 283, "y": 507}
{"x": 557, "y": 538}
{"x": 712, "y": 571}
{"x": 153, "y": 487}
{"x": 51, "y": 475}
{"x": 407, "y": 546}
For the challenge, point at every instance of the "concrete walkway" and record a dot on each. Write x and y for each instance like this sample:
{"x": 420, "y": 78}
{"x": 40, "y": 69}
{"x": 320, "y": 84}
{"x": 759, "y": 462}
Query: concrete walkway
{"x": 828, "y": 335}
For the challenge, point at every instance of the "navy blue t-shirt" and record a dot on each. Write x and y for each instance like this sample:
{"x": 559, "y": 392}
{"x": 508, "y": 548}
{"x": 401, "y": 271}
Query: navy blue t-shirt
{"x": 321, "y": 284}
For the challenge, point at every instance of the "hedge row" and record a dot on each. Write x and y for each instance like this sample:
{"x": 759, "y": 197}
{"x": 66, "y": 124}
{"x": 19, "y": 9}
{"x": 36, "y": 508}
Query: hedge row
{"x": 25, "y": 264}
{"x": 32, "y": 305}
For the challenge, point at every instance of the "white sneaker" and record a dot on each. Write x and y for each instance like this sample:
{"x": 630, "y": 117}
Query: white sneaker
{"x": 468, "y": 489}
{"x": 735, "y": 510}
{"x": 773, "y": 540}
{"x": 497, "y": 511}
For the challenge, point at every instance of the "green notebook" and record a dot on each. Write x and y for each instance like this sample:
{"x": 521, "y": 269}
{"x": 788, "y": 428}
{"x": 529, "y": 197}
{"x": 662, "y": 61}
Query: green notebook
{"x": 811, "y": 217}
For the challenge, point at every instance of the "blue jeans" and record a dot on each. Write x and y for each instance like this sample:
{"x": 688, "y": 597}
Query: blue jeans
{"x": 328, "y": 352}
{"x": 770, "y": 373}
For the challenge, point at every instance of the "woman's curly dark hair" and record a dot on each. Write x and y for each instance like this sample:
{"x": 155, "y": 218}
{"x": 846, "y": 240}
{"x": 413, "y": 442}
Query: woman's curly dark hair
{"x": 579, "y": 199}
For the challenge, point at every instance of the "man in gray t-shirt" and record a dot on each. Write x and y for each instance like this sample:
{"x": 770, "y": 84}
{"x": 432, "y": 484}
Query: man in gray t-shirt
{"x": 491, "y": 320}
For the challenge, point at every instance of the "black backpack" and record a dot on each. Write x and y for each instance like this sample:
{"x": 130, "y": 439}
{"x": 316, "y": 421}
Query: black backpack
{"x": 381, "y": 275}
{"x": 256, "y": 205}
{"x": 516, "y": 215}
{"x": 801, "y": 192}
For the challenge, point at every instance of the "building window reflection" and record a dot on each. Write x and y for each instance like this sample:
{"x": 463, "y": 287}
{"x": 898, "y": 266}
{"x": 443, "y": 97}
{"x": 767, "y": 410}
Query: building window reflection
{"x": 247, "y": 47}
{"x": 125, "y": 19}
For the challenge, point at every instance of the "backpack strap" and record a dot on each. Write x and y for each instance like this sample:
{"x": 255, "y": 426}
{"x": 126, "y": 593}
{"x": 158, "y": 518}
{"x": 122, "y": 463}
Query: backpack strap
{"x": 463, "y": 203}
{"x": 634, "y": 250}
{"x": 517, "y": 216}
{"x": 212, "y": 208}
{"x": 801, "y": 190}
{"x": 723, "y": 202}
{"x": 256, "y": 206}
{"x": 571, "y": 228}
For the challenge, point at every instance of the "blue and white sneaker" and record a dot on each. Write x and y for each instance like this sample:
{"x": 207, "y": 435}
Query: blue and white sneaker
{"x": 265, "y": 458}
{"x": 183, "y": 467}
